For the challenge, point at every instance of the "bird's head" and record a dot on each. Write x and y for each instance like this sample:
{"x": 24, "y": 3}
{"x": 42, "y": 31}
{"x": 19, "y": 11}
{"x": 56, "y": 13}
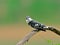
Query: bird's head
{"x": 28, "y": 19}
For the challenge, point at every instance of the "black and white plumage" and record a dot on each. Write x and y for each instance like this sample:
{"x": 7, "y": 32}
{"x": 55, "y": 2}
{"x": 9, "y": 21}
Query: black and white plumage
{"x": 40, "y": 26}
{"x": 35, "y": 24}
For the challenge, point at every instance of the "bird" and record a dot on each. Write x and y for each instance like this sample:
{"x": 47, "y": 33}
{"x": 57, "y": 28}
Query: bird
{"x": 40, "y": 27}
{"x": 37, "y": 27}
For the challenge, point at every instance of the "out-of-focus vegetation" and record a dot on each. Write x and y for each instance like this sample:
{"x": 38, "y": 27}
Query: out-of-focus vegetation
{"x": 14, "y": 12}
{"x": 47, "y": 11}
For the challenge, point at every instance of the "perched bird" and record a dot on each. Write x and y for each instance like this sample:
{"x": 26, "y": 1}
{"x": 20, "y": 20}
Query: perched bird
{"x": 39, "y": 26}
{"x": 35, "y": 24}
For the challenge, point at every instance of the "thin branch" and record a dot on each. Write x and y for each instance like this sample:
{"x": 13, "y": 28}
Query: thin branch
{"x": 27, "y": 37}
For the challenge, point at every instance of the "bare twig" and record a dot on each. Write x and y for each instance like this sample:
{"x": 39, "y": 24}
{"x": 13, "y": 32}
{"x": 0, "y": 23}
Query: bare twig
{"x": 27, "y": 37}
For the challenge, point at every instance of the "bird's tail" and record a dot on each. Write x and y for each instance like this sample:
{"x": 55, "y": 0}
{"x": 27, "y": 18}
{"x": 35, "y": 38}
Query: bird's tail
{"x": 54, "y": 30}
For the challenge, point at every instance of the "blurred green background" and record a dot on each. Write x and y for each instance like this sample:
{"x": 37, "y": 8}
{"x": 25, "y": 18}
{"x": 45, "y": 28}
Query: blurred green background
{"x": 12, "y": 21}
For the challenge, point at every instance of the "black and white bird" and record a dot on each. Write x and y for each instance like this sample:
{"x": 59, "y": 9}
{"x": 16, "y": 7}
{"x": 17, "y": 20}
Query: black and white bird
{"x": 38, "y": 26}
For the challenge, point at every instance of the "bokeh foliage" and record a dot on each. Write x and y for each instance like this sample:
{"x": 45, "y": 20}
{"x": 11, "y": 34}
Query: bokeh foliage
{"x": 47, "y": 11}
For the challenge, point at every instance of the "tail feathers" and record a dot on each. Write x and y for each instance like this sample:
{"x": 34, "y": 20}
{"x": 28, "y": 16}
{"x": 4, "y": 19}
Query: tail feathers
{"x": 54, "y": 30}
